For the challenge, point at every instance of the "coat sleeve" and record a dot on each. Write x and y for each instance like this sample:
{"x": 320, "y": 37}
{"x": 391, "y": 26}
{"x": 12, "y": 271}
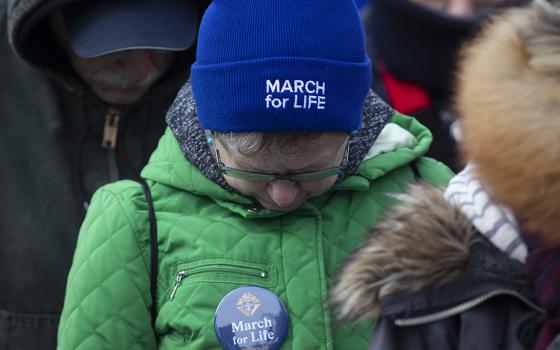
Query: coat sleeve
{"x": 501, "y": 323}
{"x": 107, "y": 302}
{"x": 439, "y": 336}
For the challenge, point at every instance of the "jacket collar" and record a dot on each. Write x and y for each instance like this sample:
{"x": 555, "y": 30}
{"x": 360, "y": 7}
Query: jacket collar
{"x": 423, "y": 257}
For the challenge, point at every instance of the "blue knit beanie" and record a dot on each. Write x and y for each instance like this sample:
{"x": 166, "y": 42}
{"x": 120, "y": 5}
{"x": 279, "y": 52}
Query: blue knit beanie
{"x": 281, "y": 65}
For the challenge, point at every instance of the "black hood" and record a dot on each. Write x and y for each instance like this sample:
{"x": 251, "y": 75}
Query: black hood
{"x": 417, "y": 44}
{"x": 30, "y": 34}
{"x": 32, "y": 39}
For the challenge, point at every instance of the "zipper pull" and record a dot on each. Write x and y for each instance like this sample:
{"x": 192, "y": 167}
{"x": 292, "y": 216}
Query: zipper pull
{"x": 111, "y": 128}
{"x": 180, "y": 276}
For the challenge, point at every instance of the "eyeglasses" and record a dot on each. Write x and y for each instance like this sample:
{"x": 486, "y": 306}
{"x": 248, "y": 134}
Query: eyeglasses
{"x": 296, "y": 177}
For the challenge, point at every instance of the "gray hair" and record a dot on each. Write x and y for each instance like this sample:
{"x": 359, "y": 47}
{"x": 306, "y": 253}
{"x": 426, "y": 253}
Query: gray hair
{"x": 282, "y": 144}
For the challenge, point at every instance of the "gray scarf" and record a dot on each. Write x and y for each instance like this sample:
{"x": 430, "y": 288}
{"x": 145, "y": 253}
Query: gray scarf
{"x": 182, "y": 119}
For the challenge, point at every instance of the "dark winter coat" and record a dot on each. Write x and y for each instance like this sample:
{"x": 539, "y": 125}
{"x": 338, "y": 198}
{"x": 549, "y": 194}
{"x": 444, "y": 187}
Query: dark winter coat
{"x": 433, "y": 282}
{"x": 414, "y": 50}
{"x": 52, "y": 160}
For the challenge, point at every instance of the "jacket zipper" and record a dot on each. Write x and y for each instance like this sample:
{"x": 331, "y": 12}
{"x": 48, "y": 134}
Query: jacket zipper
{"x": 247, "y": 271}
{"x": 109, "y": 141}
{"x": 111, "y": 128}
{"x": 440, "y": 315}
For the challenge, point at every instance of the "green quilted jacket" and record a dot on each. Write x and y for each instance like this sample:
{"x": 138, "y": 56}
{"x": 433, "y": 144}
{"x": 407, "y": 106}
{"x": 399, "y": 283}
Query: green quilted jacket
{"x": 225, "y": 242}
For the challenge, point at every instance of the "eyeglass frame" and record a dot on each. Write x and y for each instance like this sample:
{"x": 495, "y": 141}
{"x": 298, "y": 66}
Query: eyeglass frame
{"x": 295, "y": 177}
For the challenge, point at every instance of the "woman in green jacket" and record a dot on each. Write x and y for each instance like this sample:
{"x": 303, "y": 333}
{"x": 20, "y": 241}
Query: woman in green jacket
{"x": 276, "y": 161}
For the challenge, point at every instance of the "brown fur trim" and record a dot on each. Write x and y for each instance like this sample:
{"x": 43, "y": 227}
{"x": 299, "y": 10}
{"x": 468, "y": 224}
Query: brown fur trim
{"x": 509, "y": 103}
{"x": 423, "y": 241}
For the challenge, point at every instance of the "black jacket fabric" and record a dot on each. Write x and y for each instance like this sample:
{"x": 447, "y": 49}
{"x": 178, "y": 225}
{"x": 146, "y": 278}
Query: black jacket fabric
{"x": 419, "y": 46}
{"x": 489, "y": 307}
{"x": 500, "y": 323}
{"x": 52, "y": 160}
{"x": 432, "y": 282}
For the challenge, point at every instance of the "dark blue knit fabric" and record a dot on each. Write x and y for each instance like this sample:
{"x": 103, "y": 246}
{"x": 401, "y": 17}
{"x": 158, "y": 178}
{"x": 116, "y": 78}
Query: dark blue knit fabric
{"x": 281, "y": 65}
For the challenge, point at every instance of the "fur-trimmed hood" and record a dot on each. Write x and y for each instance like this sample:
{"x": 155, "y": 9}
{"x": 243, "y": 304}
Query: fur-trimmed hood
{"x": 423, "y": 244}
{"x": 508, "y": 101}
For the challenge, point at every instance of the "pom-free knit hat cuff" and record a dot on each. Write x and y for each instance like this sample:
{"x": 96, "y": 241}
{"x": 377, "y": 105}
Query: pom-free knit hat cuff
{"x": 281, "y": 94}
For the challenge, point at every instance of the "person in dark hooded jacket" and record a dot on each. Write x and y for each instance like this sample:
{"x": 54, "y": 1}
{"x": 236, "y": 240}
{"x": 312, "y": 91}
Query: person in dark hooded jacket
{"x": 477, "y": 267}
{"x": 83, "y": 90}
{"x": 414, "y": 46}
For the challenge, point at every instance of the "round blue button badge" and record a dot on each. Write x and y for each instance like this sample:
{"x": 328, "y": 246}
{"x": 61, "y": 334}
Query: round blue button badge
{"x": 251, "y": 318}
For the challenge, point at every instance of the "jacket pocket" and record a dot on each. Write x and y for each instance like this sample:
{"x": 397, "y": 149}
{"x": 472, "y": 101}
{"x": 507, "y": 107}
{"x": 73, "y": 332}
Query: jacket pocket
{"x": 222, "y": 270}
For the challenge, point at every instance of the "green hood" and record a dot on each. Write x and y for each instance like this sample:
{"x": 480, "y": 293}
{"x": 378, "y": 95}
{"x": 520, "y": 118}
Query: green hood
{"x": 402, "y": 140}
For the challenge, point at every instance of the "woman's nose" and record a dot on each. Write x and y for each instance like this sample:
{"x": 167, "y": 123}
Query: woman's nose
{"x": 283, "y": 192}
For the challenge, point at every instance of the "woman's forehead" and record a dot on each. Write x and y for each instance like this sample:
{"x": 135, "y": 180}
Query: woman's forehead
{"x": 322, "y": 151}
{"x": 277, "y": 142}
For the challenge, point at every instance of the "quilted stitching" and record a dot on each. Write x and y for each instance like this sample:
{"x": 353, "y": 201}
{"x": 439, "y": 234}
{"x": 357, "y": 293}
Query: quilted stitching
{"x": 108, "y": 271}
{"x": 107, "y": 304}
